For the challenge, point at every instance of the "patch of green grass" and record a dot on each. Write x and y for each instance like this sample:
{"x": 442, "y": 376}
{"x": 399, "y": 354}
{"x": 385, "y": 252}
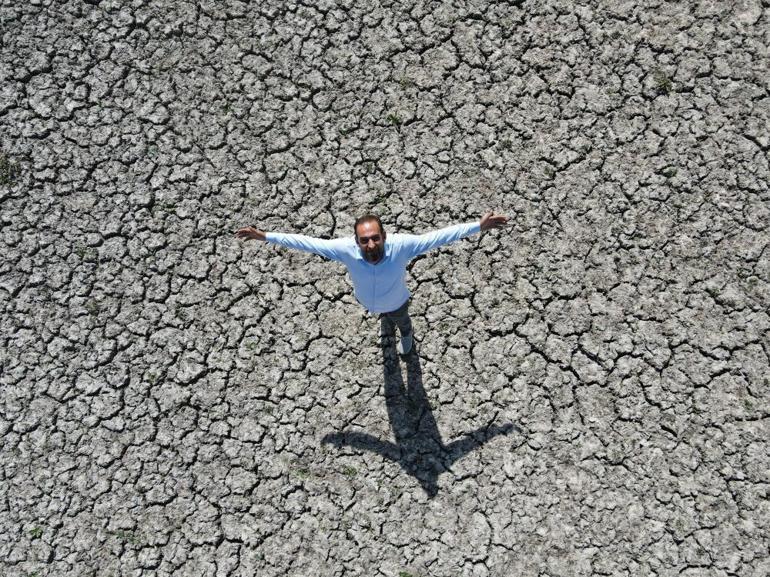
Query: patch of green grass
{"x": 9, "y": 171}
{"x": 549, "y": 172}
{"x": 93, "y": 308}
{"x": 302, "y": 473}
{"x": 85, "y": 253}
{"x": 126, "y": 536}
{"x": 670, "y": 171}
{"x": 405, "y": 82}
{"x": 663, "y": 84}
{"x": 36, "y": 532}
{"x": 405, "y": 574}
{"x": 350, "y": 471}
{"x": 394, "y": 119}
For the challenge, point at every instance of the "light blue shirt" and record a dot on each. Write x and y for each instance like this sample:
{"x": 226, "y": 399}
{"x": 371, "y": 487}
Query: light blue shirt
{"x": 380, "y": 287}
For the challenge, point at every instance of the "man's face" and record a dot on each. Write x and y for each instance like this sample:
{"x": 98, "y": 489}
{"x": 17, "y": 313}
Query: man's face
{"x": 371, "y": 241}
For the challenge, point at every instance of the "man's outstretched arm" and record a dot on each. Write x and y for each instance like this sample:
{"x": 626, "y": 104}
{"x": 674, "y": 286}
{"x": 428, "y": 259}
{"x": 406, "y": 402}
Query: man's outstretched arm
{"x": 422, "y": 243}
{"x": 332, "y": 249}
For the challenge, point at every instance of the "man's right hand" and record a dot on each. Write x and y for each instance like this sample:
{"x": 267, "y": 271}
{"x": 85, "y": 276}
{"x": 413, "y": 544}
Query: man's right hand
{"x": 249, "y": 232}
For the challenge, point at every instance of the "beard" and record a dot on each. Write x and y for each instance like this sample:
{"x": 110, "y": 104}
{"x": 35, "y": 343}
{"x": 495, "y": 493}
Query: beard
{"x": 374, "y": 255}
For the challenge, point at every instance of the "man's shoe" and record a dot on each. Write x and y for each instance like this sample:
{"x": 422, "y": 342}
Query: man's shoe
{"x": 404, "y": 344}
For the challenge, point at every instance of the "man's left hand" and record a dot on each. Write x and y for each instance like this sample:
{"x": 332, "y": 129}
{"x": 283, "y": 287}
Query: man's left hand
{"x": 492, "y": 220}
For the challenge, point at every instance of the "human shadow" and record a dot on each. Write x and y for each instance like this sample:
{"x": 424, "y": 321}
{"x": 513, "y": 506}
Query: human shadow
{"x": 418, "y": 449}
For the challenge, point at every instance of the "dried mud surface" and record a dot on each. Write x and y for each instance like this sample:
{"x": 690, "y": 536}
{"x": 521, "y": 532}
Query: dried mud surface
{"x": 590, "y": 393}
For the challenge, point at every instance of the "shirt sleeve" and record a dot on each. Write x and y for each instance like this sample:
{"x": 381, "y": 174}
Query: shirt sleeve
{"x": 417, "y": 244}
{"x": 333, "y": 249}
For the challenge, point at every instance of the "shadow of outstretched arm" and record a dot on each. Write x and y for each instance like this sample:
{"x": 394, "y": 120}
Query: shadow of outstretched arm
{"x": 457, "y": 449}
{"x": 363, "y": 442}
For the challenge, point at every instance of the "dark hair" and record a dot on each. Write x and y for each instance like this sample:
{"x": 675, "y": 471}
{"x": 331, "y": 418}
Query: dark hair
{"x": 367, "y": 218}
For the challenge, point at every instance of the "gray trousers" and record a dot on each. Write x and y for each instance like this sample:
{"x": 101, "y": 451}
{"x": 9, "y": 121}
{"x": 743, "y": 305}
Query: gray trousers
{"x": 400, "y": 318}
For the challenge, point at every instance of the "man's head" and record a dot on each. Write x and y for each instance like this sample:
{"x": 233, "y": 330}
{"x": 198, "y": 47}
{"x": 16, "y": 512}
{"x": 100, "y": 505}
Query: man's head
{"x": 370, "y": 237}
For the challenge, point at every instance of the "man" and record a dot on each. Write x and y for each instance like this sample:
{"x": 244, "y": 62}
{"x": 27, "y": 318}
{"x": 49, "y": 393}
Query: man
{"x": 377, "y": 263}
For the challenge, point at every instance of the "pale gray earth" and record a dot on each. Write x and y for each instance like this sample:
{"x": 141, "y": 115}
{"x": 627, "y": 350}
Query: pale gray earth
{"x": 590, "y": 394}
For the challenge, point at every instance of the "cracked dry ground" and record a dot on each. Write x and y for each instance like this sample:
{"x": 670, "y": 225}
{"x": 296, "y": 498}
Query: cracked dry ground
{"x": 591, "y": 391}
